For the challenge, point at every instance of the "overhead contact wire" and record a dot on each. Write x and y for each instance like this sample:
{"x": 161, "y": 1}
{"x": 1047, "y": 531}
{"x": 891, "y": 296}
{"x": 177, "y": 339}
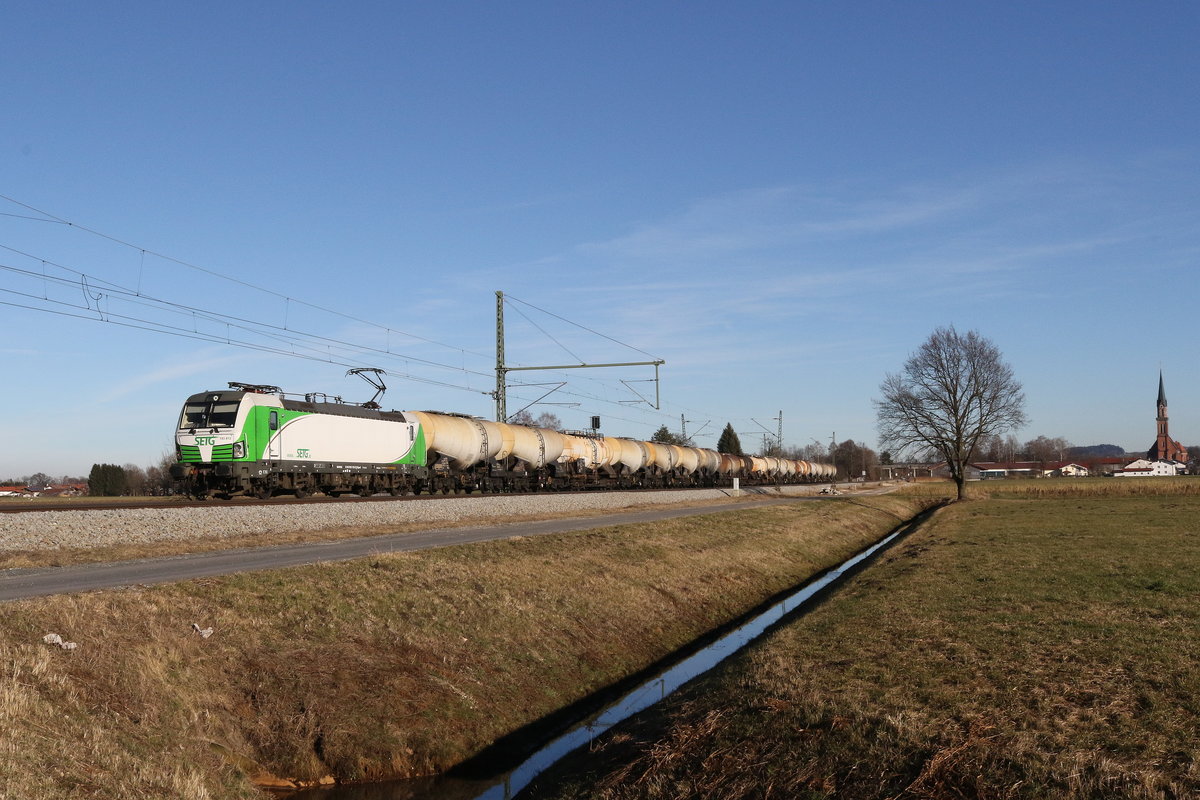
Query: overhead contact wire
{"x": 52, "y": 218}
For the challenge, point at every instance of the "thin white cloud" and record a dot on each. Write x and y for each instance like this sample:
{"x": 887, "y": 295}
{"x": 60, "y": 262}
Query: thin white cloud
{"x": 754, "y": 221}
{"x": 181, "y": 368}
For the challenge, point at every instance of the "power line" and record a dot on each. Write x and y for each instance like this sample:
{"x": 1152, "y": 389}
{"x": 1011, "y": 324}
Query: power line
{"x": 308, "y": 347}
{"x": 577, "y": 325}
{"x": 548, "y": 336}
{"x": 116, "y": 319}
{"x": 48, "y": 217}
{"x": 252, "y": 326}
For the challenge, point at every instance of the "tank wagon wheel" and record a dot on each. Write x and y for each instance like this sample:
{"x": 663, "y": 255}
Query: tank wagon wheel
{"x": 300, "y": 493}
{"x": 264, "y": 493}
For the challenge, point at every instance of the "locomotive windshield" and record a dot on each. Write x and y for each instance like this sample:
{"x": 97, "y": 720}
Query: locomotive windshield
{"x": 209, "y": 412}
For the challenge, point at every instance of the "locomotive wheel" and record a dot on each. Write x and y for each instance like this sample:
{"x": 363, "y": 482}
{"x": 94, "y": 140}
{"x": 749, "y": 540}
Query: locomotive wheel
{"x": 264, "y": 493}
{"x": 300, "y": 493}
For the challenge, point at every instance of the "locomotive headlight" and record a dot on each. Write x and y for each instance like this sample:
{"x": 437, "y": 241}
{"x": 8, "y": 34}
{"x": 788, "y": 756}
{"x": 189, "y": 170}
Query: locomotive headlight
{"x": 239, "y": 449}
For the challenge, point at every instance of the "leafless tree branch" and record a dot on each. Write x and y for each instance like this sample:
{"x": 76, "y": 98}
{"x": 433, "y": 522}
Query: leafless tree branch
{"x": 955, "y": 391}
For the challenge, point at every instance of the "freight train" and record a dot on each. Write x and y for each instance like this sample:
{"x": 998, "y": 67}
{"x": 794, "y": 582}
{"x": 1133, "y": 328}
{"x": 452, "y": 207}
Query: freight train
{"x": 252, "y": 440}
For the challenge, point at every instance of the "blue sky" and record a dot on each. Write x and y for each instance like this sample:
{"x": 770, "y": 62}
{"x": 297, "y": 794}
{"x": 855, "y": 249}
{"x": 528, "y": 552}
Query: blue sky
{"x": 782, "y": 200}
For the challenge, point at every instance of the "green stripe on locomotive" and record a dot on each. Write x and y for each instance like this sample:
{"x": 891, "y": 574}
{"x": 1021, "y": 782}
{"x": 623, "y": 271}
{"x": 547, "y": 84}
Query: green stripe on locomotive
{"x": 419, "y": 451}
{"x": 259, "y": 432}
{"x": 190, "y": 454}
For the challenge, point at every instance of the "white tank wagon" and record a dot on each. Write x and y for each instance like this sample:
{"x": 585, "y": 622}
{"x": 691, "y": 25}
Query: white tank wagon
{"x": 465, "y": 441}
{"x": 710, "y": 461}
{"x": 730, "y": 465}
{"x": 688, "y": 459}
{"x": 664, "y": 457}
{"x": 251, "y": 440}
{"x": 633, "y": 455}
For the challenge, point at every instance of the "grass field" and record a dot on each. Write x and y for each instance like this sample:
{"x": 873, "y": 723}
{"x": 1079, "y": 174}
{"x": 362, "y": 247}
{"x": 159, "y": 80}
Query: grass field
{"x": 1039, "y": 641}
{"x": 393, "y": 665}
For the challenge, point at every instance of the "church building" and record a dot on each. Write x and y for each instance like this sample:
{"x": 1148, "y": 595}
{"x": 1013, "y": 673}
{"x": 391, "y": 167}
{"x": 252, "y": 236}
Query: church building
{"x": 1165, "y": 448}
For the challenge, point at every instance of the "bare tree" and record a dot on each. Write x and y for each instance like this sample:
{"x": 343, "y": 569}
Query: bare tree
{"x": 522, "y": 417}
{"x": 135, "y": 480}
{"x": 38, "y": 480}
{"x": 817, "y": 453}
{"x": 544, "y": 420}
{"x": 549, "y": 420}
{"x": 1044, "y": 450}
{"x": 853, "y": 459}
{"x": 952, "y": 392}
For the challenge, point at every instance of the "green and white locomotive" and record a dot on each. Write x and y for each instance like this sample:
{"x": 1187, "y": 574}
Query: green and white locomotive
{"x": 252, "y": 440}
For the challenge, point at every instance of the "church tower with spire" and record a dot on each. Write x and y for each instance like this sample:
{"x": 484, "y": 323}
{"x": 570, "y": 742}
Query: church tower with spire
{"x": 1165, "y": 448}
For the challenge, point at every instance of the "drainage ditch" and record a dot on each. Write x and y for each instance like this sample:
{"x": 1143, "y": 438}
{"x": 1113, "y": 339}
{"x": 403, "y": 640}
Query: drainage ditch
{"x": 507, "y": 785}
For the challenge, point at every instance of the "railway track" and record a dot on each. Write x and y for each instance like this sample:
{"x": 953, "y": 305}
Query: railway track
{"x": 19, "y": 506}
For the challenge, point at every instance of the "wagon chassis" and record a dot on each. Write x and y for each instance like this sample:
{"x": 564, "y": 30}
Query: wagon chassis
{"x": 264, "y": 480}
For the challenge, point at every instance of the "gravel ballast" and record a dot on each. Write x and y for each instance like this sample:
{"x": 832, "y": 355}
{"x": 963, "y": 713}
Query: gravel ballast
{"x": 51, "y": 530}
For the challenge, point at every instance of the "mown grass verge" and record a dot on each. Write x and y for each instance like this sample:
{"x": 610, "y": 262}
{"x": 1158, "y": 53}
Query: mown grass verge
{"x": 1038, "y": 643}
{"x": 401, "y": 664}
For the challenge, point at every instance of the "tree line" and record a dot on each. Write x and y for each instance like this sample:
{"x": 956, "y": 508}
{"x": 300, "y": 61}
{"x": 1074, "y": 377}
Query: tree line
{"x": 110, "y": 480}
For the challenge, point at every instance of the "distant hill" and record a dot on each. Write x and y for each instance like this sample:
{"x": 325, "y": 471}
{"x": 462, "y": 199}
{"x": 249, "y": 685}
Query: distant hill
{"x": 1096, "y": 451}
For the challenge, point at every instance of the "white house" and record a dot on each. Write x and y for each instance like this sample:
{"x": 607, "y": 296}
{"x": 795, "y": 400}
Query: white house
{"x": 1144, "y": 468}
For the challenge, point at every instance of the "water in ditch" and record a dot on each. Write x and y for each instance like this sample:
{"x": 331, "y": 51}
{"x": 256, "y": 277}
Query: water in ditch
{"x": 647, "y": 694}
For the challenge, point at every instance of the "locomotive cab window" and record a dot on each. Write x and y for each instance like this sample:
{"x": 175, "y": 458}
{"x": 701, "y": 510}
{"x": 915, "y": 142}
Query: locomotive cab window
{"x": 209, "y": 414}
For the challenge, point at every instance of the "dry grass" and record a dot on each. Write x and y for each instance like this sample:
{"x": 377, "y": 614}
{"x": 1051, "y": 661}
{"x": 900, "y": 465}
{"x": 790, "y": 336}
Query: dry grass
{"x": 1017, "y": 648}
{"x": 21, "y": 559}
{"x": 394, "y": 665}
{"x": 1089, "y": 487}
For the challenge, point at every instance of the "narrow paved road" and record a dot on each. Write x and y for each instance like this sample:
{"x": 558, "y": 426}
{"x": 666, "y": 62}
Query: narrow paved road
{"x": 17, "y": 584}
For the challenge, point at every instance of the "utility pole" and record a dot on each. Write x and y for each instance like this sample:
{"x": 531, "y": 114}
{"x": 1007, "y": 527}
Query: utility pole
{"x": 778, "y": 436}
{"x": 502, "y": 370}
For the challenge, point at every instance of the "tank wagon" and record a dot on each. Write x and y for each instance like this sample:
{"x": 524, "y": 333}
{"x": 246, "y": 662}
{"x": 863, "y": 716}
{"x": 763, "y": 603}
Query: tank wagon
{"x": 252, "y": 440}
